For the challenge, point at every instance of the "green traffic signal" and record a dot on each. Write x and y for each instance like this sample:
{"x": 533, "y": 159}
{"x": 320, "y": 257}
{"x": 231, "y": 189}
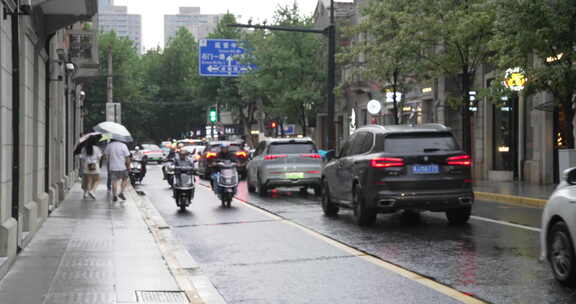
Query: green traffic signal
{"x": 213, "y": 115}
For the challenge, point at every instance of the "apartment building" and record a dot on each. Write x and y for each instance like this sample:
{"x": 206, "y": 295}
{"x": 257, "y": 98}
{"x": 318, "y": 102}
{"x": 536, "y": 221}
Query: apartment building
{"x": 198, "y": 24}
{"x": 116, "y": 18}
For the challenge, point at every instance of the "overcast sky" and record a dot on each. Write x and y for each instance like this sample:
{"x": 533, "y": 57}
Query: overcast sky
{"x": 153, "y": 12}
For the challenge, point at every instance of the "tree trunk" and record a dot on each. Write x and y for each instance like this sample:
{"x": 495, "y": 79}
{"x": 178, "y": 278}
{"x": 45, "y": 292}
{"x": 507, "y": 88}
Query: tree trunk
{"x": 568, "y": 126}
{"x": 303, "y": 121}
{"x": 394, "y": 90}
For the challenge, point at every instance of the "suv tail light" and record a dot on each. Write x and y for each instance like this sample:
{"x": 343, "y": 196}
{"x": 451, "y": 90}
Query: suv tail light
{"x": 211, "y": 155}
{"x": 460, "y": 160}
{"x": 387, "y": 162}
{"x": 317, "y": 156}
{"x": 274, "y": 156}
{"x": 242, "y": 154}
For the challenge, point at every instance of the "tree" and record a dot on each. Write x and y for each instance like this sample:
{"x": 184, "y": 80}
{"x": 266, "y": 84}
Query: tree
{"x": 290, "y": 76}
{"x": 171, "y": 81}
{"x": 449, "y": 38}
{"x": 127, "y": 83}
{"x": 379, "y": 51}
{"x": 540, "y": 37}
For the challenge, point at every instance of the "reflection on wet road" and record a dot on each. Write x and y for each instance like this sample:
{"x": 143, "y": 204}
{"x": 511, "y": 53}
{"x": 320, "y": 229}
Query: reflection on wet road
{"x": 255, "y": 258}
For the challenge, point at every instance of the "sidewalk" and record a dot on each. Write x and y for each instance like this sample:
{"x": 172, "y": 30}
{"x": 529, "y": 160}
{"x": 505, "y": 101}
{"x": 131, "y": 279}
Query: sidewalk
{"x": 94, "y": 251}
{"x": 513, "y": 192}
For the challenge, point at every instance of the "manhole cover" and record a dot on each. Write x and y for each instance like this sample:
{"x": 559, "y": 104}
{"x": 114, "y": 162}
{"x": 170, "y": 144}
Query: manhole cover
{"x": 174, "y": 297}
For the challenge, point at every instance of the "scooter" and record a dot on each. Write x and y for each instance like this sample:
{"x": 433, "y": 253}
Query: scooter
{"x": 227, "y": 182}
{"x": 137, "y": 172}
{"x": 183, "y": 187}
{"x": 168, "y": 170}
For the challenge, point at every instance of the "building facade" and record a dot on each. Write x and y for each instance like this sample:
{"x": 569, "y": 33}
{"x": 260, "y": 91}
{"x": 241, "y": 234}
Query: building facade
{"x": 116, "y": 18}
{"x": 40, "y": 113}
{"x": 198, "y": 24}
{"x": 517, "y": 138}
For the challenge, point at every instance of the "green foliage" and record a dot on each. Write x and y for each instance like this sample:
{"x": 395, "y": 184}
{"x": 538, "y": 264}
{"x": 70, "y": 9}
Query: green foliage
{"x": 291, "y": 69}
{"x": 530, "y": 32}
{"x": 127, "y": 82}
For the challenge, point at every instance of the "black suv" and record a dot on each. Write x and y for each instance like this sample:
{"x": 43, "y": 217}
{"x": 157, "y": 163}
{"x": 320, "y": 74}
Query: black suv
{"x": 383, "y": 169}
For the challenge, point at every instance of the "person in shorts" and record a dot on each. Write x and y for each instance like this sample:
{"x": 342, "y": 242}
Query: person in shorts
{"x": 90, "y": 156}
{"x": 118, "y": 157}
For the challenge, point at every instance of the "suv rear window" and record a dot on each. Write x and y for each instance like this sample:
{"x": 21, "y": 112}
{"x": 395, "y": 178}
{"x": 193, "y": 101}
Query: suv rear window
{"x": 419, "y": 142}
{"x": 291, "y": 148}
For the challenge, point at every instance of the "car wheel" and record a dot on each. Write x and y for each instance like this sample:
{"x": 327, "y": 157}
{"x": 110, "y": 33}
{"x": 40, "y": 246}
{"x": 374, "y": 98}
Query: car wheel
{"x": 251, "y": 188}
{"x": 327, "y": 206}
{"x": 262, "y": 189}
{"x": 459, "y": 216}
{"x": 363, "y": 215}
{"x": 561, "y": 254}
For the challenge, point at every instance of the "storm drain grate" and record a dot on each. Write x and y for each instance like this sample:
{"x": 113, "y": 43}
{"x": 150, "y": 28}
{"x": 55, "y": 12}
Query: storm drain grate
{"x": 173, "y": 297}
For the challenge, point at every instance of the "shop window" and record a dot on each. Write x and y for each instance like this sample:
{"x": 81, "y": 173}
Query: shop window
{"x": 504, "y": 134}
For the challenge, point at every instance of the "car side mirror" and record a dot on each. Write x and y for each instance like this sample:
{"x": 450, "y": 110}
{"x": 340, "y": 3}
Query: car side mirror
{"x": 570, "y": 176}
{"x": 330, "y": 155}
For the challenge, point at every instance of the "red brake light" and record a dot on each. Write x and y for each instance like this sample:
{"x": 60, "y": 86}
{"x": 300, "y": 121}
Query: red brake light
{"x": 460, "y": 160}
{"x": 242, "y": 154}
{"x": 317, "y": 156}
{"x": 211, "y": 155}
{"x": 387, "y": 162}
{"x": 274, "y": 156}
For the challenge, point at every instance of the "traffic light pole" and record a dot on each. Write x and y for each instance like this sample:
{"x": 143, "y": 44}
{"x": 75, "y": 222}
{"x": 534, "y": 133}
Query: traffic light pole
{"x": 330, "y": 32}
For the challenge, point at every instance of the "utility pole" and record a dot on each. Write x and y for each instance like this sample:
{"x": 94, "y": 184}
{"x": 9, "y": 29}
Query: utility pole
{"x": 109, "y": 83}
{"x": 330, "y": 32}
{"x": 110, "y": 108}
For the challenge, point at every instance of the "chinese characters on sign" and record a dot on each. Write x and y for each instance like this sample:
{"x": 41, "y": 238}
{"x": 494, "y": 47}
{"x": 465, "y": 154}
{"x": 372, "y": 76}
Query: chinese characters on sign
{"x": 221, "y": 58}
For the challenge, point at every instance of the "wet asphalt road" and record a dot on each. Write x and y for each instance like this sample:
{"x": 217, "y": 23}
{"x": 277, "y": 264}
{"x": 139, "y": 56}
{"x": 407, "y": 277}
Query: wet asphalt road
{"x": 253, "y": 257}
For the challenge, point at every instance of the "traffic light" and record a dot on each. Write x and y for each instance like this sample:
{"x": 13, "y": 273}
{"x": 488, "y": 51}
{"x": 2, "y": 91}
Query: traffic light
{"x": 213, "y": 115}
{"x": 273, "y": 125}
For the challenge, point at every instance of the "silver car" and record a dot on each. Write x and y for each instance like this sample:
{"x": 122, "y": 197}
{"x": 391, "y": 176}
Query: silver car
{"x": 285, "y": 162}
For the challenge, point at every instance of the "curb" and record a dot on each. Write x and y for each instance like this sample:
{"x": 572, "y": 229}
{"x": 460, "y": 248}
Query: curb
{"x": 510, "y": 199}
{"x": 181, "y": 264}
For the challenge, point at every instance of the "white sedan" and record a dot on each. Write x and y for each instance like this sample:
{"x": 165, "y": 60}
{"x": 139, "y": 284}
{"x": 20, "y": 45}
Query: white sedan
{"x": 557, "y": 237}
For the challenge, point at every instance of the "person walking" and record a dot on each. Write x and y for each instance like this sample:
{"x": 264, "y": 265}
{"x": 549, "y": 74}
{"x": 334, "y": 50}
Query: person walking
{"x": 118, "y": 157}
{"x": 90, "y": 158}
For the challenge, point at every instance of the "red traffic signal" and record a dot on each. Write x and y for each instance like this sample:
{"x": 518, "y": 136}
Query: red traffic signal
{"x": 273, "y": 125}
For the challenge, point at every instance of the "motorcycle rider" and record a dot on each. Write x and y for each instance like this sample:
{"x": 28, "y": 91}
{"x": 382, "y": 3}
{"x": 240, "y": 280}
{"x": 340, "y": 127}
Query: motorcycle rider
{"x": 182, "y": 159}
{"x": 142, "y": 158}
{"x": 224, "y": 154}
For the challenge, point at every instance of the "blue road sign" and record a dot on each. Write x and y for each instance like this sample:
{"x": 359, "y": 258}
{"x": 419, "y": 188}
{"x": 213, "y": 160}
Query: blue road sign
{"x": 290, "y": 129}
{"x": 219, "y": 57}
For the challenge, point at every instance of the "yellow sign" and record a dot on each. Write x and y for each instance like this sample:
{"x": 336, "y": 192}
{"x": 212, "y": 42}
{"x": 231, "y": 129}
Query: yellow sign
{"x": 515, "y": 79}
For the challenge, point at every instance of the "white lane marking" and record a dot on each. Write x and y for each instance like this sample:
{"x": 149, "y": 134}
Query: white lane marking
{"x": 479, "y": 218}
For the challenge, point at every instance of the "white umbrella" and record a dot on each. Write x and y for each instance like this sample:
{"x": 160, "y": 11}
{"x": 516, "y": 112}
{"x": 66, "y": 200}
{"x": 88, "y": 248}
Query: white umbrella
{"x": 114, "y": 130}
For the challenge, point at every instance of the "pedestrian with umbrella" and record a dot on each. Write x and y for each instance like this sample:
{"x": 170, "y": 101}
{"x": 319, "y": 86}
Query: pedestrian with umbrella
{"x": 90, "y": 154}
{"x": 118, "y": 156}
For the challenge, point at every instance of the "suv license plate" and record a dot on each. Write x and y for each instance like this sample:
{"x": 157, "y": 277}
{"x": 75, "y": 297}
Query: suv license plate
{"x": 425, "y": 169}
{"x": 295, "y": 175}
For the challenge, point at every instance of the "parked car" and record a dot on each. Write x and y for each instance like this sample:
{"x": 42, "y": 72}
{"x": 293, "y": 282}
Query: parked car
{"x": 206, "y": 160}
{"x": 285, "y": 163}
{"x": 383, "y": 169}
{"x": 152, "y": 152}
{"x": 559, "y": 229}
